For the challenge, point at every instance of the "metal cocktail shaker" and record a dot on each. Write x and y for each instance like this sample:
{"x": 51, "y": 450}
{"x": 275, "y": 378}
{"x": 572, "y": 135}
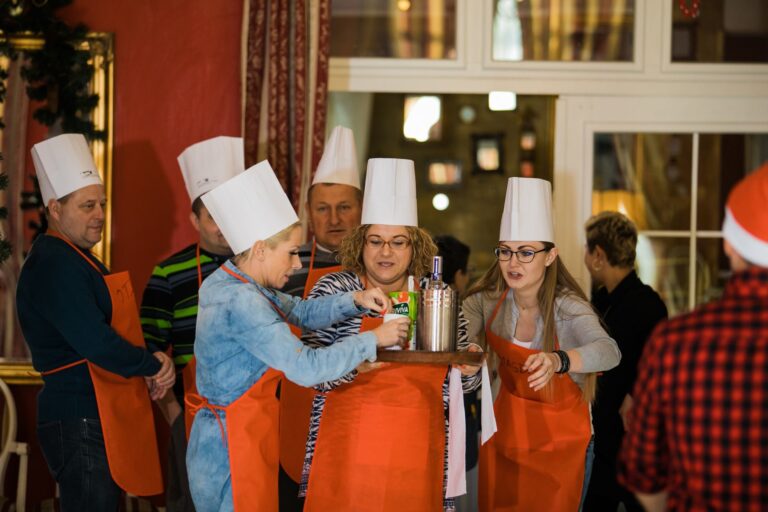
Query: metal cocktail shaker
{"x": 438, "y": 314}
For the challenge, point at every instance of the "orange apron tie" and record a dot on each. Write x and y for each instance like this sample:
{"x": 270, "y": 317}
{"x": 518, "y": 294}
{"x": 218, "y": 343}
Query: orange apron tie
{"x": 381, "y": 442}
{"x": 125, "y": 410}
{"x": 296, "y": 401}
{"x": 535, "y": 461}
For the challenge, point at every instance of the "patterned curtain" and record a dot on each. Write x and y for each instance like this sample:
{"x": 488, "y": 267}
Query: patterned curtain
{"x": 13, "y": 144}
{"x": 287, "y": 47}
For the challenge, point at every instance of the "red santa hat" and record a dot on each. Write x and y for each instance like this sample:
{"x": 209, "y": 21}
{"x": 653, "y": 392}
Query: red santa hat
{"x": 746, "y": 217}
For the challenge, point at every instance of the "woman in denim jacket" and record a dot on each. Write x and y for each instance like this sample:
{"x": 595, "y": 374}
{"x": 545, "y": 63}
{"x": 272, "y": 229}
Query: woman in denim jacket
{"x": 244, "y": 345}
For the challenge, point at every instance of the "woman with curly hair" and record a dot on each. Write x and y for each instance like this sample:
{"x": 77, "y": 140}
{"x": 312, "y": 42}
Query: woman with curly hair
{"x": 379, "y": 437}
{"x": 549, "y": 345}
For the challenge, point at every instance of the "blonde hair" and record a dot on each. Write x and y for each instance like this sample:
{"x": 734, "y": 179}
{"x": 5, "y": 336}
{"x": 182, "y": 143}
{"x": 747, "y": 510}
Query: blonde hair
{"x": 424, "y": 249}
{"x": 271, "y": 242}
{"x": 616, "y": 234}
{"x": 558, "y": 282}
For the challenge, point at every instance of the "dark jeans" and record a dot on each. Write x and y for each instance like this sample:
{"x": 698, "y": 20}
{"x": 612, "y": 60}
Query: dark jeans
{"x": 289, "y": 493}
{"x": 74, "y": 451}
{"x": 589, "y": 459}
{"x": 177, "y": 495}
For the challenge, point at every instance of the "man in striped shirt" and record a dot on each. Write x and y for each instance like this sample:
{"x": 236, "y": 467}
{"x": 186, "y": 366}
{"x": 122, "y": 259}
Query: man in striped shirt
{"x": 169, "y": 304}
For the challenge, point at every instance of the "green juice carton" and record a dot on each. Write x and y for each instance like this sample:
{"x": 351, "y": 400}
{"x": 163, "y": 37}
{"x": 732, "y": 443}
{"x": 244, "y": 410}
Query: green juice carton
{"x": 406, "y": 303}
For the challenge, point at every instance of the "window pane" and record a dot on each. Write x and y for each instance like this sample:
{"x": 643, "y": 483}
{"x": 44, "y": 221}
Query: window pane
{"x": 723, "y": 160}
{"x": 723, "y": 31}
{"x": 712, "y": 269}
{"x": 403, "y": 29}
{"x": 663, "y": 264}
{"x": 563, "y": 30}
{"x": 646, "y": 176}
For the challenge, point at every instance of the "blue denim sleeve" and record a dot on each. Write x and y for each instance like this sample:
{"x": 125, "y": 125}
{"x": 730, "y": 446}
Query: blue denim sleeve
{"x": 321, "y": 312}
{"x": 263, "y": 333}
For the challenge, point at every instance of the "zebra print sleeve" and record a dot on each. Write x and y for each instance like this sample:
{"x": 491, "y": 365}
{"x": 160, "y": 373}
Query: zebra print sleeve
{"x": 332, "y": 284}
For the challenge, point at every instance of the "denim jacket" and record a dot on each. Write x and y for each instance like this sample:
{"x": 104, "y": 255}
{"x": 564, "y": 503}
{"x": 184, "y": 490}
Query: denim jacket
{"x": 240, "y": 335}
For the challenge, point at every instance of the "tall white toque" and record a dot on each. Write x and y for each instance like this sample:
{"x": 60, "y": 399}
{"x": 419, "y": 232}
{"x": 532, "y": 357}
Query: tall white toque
{"x": 527, "y": 211}
{"x": 249, "y": 207}
{"x": 64, "y": 164}
{"x": 209, "y": 163}
{"x": 390, "y": 193}
{"x": 746, "y": 217}
{"x": 339, "y": 161}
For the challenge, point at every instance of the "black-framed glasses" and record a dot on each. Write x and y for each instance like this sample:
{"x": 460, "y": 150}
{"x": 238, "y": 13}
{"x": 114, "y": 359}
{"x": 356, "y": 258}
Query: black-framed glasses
{"x": 399, "y": 243}
{"x": 523, "y": 255}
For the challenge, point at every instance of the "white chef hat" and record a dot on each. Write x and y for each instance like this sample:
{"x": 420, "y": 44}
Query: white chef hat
{"x": 527, "y": 211}
{"x": 390, "y": 193}
{"x": 64, "y": 164}
{"x": 249, "y": 207}
{"x": 339, "y": 161}
{"x": 209, "y": 163}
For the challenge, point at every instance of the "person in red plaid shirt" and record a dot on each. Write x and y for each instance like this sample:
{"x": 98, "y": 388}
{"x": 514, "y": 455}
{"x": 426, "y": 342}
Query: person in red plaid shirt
{"x": 698, "y": 437}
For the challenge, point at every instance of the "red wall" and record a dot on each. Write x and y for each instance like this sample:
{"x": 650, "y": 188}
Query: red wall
{"x": 177, "y": 81}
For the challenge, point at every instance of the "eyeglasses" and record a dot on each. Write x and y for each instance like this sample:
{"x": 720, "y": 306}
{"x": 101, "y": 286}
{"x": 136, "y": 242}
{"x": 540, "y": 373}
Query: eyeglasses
{"x": 523, "y": 255}
{"x": 399, "y": 243}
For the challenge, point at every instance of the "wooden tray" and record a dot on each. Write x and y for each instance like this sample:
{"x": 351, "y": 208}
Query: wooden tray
{"x": 420, "y": 357}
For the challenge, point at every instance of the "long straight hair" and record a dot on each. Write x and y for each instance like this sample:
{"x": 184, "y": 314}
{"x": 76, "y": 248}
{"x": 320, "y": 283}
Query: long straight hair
{"x": 558, "y": 282}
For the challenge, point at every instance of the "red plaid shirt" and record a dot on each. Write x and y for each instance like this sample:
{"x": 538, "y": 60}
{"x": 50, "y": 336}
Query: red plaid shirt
{"x": 699, "y": 424}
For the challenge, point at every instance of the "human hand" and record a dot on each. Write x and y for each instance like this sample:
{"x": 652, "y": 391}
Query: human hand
{"x": 625, "y": 411}
{"x": 156, "y": 392}
{"x": 366, "y": 367}
{"x": 542, "y": 367}
{"x": 470, "y": 369}
{"x": 392, "y": 332}
{"x": 166, "y": 377}
{"x": 373, "y": 299}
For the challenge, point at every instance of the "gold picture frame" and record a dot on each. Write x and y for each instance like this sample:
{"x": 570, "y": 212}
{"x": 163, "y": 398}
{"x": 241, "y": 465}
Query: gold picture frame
{"x": 100, "y": 46}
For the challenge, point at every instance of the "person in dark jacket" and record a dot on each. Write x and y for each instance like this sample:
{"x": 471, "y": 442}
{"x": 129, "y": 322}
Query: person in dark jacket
{"x": 630, "y": 311}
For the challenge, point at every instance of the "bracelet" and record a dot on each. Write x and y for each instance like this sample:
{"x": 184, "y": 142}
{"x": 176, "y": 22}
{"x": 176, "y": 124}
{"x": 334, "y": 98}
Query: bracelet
{"x": 565, "y": 361}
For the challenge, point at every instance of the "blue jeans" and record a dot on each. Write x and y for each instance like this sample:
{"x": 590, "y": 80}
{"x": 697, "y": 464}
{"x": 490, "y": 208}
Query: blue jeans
{"x": 589, "y": 460}
{"x": 76, "y": 457}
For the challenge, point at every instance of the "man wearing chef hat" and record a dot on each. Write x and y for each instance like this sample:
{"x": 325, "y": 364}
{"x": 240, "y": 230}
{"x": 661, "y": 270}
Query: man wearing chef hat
{"x": 94, "y": 414}
{"x": 169, "y": 305}
{"x": 334, "y": 205}
{"x": 697, "y": 438}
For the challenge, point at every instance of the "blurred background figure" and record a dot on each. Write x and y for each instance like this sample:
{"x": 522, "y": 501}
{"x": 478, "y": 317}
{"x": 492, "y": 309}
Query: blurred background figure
{"x": 456, "y": 274}
{"x": 630, "y": 311}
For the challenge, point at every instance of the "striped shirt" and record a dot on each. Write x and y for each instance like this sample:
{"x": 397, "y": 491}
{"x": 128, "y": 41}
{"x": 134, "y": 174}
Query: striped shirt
{"x": 169, "y": 304}
{"x": 341, "y": 282}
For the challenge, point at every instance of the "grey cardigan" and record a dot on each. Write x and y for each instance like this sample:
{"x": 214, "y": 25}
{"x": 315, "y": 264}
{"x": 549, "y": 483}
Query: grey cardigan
{"x": 578, "y": 327}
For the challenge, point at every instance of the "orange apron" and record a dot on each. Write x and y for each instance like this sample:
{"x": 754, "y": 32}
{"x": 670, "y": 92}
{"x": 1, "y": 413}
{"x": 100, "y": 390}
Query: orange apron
{"x": 295, "y": 400}
{"x": 381, "y": 442}
{"x": 125, "y": 410}
{"x": 535, "y": 461}
{"x": 251, "y": 438}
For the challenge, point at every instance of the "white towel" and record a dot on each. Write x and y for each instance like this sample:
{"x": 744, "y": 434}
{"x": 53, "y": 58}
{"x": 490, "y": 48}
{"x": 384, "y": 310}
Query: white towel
{"x": 487, "y": 418}
{"x": 457, "y": 428}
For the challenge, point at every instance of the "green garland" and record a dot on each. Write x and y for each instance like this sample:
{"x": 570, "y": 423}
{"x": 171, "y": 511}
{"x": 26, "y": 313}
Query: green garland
{"x": 59, "y": 73}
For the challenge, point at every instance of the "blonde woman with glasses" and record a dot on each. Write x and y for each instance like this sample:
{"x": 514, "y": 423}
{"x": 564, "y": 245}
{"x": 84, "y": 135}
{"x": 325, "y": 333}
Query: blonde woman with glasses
{"x": 377, "y": 437}
{"x": 548, "y": 344}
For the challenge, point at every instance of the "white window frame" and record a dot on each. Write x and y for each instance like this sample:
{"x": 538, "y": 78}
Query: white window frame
{"x": 580, "y": 118}
{"x": 473, "y": 71}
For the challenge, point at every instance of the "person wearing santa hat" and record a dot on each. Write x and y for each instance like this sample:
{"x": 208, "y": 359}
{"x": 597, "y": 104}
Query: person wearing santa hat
{"x": 94, "y": 415}
{"x": 549, "y": 344}
{"x": 244, "y": 345}
{"x": 334, "y": 205}
{"x": 380, "y": 437}
{"x": 697, "y": 437}
{"x": 169, "y": 303}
